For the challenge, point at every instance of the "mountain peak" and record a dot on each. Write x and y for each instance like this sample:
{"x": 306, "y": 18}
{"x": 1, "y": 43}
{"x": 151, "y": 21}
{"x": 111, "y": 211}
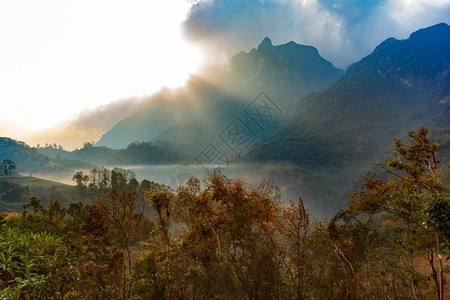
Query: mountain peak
{"x": 265, "y": 43}
{"x": 430, "y": 33}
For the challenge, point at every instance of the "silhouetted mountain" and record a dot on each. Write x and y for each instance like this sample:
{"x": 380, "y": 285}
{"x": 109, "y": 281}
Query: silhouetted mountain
{"x": 285, "y": 73}
{"x": 337, "y": 133}
{"x": 164, "y": 109}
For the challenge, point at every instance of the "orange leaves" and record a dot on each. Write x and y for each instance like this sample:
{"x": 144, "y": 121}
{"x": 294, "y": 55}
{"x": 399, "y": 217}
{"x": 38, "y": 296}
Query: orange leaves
{"x": 295, "y": 220}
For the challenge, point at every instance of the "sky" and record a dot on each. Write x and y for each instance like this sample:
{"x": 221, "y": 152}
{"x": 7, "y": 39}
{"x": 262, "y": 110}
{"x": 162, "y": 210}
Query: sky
{"x": 70, "y": 69}
{"x": 60, "y": 59}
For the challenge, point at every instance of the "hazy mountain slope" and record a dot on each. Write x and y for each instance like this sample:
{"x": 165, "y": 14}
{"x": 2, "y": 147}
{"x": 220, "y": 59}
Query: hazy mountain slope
{"x": 164, "y": 109}
{"x": 285, "y": 73}
{"x": 336, "y": 134}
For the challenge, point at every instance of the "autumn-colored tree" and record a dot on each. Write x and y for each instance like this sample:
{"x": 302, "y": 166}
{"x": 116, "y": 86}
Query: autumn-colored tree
{"x": 229, "y": 232}
{"x": 125, "y": 215}
{"x": 95, "y": 232}
{"x": 293, "y": 226}
{"x": 103, "y": 272}
{"x": 161, "y": 201}
{"x": 412, "y": 184}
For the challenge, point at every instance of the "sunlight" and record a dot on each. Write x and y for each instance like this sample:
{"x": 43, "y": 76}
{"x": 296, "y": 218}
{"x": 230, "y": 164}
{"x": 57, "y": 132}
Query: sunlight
{"x": 60, "y": 58}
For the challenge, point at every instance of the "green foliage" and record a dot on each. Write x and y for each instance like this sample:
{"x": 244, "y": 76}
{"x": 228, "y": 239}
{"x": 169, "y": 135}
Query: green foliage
{"x": 146, "y": 279}
{"x": 437, "y": 214}
{"x": 35, "y": 265}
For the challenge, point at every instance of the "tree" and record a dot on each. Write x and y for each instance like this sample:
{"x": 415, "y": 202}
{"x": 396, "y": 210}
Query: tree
{"x": 412, "y": 184}
{"x": 104, "y": 272}
{"x": 125, "y": 215}
{"x": 8, "y": 167}
{"x": 230, "y": 228}
{"x": 81, "y": 180}
{"x": 95, "y": 231}
{"x": 293, "y": 225}
{"x": 77, "y": 212}
{"x": 161, "y": 202}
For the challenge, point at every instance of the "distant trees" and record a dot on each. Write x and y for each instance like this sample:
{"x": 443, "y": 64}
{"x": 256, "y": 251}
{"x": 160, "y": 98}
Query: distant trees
{"x": 98, "y": 184}
{"x": 88, "y": 145}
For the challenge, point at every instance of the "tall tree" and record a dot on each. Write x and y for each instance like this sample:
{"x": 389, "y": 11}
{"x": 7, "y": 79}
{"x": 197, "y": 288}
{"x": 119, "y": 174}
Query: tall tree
{"x": 412, "y": 184}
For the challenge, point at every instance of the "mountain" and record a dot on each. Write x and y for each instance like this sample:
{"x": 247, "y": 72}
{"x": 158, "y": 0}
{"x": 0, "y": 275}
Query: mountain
{"x": 209, "y": 102}
{"x": 336, "y": 134}
{"x": 164, "y": 109}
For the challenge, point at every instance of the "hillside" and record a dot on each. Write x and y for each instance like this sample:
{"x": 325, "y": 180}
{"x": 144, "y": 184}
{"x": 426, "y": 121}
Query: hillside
{"x": 16, "y": 191}
{"x": 29, "y": 161}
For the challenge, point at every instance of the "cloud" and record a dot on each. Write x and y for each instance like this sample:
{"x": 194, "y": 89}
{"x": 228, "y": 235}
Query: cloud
{"x": 343, "y": 30}
{"x": 106, "y": 116}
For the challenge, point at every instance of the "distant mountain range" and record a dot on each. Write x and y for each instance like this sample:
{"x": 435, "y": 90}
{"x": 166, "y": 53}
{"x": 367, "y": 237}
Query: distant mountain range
{"x": 337, "y": 134}
{"x": 402, "y": 85}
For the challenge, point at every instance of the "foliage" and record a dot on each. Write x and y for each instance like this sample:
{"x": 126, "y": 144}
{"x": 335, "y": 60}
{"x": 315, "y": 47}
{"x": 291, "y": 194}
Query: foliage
{"x": 224, "y": 238}
{"x": 35, "y": 265}
{"x": 413, "y": 196}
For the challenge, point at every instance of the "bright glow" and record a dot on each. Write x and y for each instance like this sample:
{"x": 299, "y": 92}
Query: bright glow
{"x": 405, "y": 10}
{"x": 58, "y": 58}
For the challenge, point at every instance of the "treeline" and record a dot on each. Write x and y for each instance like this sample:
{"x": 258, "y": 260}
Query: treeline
{"x": 223, "y": 238}
{"x": 96, "y": 185}
{"x": 136, "y": 153}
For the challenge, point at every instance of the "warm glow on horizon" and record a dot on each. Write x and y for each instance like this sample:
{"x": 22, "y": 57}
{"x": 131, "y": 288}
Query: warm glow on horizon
{"x": 59, "y": 58}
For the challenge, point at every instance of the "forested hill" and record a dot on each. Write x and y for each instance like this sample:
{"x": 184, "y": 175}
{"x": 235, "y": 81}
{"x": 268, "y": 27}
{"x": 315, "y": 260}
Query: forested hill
{"x": 134, "y": 154}
{"x": 53, "y": 161}
{"x": 402, "y": 85}
{"x": 29, "y": 160}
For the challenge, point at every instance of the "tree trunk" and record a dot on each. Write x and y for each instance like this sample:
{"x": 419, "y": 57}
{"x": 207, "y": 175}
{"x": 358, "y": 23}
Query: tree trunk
{"x": 441, "y": 281}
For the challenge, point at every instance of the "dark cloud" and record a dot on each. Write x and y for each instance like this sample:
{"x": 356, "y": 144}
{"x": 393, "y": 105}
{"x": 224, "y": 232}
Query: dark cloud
{"x": 343, "y": 30}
